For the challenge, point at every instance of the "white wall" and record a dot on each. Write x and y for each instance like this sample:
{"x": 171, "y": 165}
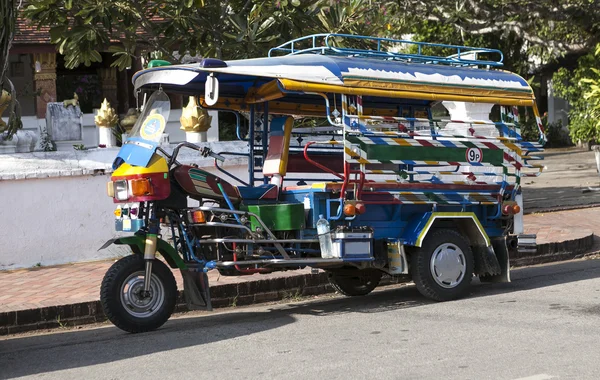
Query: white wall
{"x": 55, "y": 209}
{"x": 55, "y": 221}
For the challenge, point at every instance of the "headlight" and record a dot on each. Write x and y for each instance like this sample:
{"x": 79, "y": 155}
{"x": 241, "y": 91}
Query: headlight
{"x": 121, "y": 192}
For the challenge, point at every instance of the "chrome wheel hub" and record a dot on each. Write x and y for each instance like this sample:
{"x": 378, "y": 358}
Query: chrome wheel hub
{"x": 135, "y": 301}
{"x": 448, "y": 265}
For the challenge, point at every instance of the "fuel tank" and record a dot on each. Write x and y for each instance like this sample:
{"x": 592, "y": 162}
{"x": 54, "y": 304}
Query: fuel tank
{"x": 199, "y": 184}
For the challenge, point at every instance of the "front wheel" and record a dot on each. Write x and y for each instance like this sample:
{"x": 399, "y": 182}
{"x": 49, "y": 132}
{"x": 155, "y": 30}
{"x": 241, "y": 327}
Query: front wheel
{"x": 359, "y": 283}
{"x": 442, "y": 268}
{"x": 123, "y": 299}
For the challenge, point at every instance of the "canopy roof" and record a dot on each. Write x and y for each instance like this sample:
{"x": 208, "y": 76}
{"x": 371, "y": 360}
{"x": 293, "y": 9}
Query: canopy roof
{"x": 261, "y": 79}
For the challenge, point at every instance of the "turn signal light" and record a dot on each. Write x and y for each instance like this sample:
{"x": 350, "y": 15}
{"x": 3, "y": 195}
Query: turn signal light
{"x": 141, "y": 187}
{"x": 198, "y": 217}
{"x": 516, "y": 209}
{"x": 349, "y": 209}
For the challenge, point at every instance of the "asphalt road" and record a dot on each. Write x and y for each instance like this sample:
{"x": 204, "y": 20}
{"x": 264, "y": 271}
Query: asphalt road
{"x": 544, "y": 325}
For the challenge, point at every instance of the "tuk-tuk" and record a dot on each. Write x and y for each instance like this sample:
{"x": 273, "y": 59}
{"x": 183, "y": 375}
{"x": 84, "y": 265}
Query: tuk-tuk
{"x": 351, "y": 169}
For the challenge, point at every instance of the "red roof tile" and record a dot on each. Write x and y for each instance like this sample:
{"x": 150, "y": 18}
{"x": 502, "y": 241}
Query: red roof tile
{"x": 26, "y": 34}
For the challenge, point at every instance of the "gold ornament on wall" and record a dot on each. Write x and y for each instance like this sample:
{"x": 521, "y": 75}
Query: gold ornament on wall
{"x": 129, "y": 119}
{"x": 72, "y": 102}
{"x": 106, "y": 117}
{"x": 194, "y": 118}
{"x": 5, "y": 99}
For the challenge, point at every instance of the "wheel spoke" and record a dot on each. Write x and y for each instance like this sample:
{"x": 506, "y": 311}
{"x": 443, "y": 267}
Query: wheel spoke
{"x": 134, "y": 300}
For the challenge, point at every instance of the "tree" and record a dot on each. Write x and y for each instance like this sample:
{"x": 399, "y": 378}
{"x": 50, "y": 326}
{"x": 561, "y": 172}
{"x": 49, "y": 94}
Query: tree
{"x": 8, "y": 11}
{"x": 211, "y": 28}
{"x": 550, "y": 28}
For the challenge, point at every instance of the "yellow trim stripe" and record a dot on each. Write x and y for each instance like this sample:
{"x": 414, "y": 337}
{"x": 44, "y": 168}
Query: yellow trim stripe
{"x": 448, "y": 89}
{"x": 293, "y": 85}
{"x": 450, "y": 215}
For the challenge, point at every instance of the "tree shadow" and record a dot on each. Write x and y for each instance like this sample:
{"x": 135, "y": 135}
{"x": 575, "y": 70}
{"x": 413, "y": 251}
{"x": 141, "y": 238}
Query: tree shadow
{"x": 545, "y": 198}
{"x": 31, "y": 355}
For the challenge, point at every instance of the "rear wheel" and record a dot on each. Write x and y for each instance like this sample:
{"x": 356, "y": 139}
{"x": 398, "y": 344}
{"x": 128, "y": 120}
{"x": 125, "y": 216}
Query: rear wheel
{"x": 359, "y": 283}
{"x": 442, "y": 268}
{"x": 123, "y": 299}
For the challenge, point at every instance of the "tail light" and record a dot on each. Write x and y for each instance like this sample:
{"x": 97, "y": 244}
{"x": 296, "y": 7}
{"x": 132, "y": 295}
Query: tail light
{"x": 510, "y": 208}
{"x": 360, "y": 208}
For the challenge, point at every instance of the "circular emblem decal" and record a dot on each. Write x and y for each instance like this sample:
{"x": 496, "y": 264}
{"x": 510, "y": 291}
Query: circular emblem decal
{"x": 474, "y": 155}
{"x": 153, "y": 127}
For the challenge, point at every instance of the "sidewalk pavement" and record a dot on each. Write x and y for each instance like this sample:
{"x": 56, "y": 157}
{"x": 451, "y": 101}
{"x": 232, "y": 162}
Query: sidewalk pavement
{"x": 52, "y": 296}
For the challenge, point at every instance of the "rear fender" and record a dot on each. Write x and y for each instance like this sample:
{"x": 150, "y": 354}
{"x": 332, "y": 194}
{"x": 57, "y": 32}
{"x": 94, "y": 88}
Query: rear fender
{"x": 137, "y": 243}
{"x": 491, "y": 257}
{"x": 466, "y": 223}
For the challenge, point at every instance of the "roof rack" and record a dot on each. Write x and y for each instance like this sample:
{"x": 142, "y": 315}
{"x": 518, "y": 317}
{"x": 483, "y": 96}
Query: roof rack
{"x": 333, "y": 44}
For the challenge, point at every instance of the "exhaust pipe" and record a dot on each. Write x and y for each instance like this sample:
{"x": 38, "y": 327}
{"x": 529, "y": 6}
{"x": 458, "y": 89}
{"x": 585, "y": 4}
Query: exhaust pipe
{"x": 526, "y": 243}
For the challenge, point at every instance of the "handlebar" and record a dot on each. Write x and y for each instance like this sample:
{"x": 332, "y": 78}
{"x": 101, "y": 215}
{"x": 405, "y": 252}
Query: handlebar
{"x": 173, "y": 157}
{"x": 204, "y": 152}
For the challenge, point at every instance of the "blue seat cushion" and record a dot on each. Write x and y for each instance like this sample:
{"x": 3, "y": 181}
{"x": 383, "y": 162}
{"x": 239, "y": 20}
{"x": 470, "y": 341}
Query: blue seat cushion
{"x": 267, "y": 191}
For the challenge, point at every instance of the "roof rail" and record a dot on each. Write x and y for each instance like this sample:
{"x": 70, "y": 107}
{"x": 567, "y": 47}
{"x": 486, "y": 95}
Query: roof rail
{"x": 378, "y": 47}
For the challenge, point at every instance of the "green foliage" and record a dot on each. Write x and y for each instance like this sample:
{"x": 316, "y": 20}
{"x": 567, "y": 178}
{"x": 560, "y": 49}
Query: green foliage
{"x": 228, "y": 30}
{"x": 550, "y": 28}
{"x": 511, "y": 44}
{"x": 580, "y": 87}
{"x": 234, "y": 29}
{"x": 556, "y": 135}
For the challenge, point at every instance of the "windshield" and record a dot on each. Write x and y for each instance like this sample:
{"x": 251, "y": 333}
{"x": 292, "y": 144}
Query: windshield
{"x": 145, "y": 135}
{"x": 151, "y": 123}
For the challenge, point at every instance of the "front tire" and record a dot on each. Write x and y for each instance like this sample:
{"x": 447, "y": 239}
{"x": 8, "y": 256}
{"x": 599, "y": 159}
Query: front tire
{"x": 360, "y": 283}
{"x": 442, "y": 268}
{"x": 121, "y": 295}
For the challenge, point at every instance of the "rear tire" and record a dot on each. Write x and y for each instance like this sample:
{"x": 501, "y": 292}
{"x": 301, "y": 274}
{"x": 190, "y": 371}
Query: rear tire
{"x": 359, "y": 284}
{"x": 122, "y": 300}
{"x": 442, "y": 268}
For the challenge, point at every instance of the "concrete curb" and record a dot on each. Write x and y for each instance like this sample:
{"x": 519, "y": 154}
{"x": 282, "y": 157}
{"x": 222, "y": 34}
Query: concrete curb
{"x": 252, "y": 292}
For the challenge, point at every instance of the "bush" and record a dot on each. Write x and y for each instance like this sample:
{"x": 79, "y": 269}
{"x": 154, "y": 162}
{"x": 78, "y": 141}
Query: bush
{"x": 556, "y": 135}
{"x": 581, "y": 88}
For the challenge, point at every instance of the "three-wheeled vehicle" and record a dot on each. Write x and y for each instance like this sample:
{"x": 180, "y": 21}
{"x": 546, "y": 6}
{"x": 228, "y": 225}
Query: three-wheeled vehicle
{"x": 350, "y": 170}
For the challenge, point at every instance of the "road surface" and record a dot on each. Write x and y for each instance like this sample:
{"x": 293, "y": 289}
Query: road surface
{"x": 544, "y": 325}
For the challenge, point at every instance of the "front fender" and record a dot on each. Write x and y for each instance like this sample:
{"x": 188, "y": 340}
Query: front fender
{"x": 137, "y": 243}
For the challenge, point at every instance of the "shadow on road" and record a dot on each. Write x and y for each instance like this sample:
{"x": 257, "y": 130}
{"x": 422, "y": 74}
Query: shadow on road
{"x": 538, "y": 199}
{"x": 33, "y": 355}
